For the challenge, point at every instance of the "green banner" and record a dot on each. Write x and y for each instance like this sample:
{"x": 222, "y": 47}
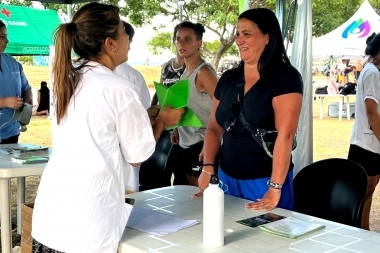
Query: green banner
{"x": 30, "y": 31}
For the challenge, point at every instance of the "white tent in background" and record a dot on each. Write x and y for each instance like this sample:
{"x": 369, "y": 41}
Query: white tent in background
{"x": 348, "y": 40}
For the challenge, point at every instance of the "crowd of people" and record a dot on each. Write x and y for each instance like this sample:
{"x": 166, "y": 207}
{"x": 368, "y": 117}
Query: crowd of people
{"x": 105, "y": 125}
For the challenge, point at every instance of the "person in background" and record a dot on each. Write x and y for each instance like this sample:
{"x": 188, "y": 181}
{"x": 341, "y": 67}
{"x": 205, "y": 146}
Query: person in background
{"x": 14, "y": 91}
{"x": 43, "y": 98}
{"x": 135, "y": 77}
{"x": 344, "y": 70}
{"x": 171, "y": 72}
{"x": 202, "y": 79}
{"x": 327, "y": 73}
{"x": 365, "y": 137}
{"x": 100, "y": 125}
{"x": 357, "y": 69}
{"x": 272, "y": 91}
{"x": 138, "y": 83}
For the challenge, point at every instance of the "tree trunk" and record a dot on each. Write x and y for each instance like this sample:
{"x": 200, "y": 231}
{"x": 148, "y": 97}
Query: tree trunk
{"x": 224, "y": 46}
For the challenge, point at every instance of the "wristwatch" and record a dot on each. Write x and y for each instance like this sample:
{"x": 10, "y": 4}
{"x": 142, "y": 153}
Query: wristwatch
{"x": 274, "y": 184}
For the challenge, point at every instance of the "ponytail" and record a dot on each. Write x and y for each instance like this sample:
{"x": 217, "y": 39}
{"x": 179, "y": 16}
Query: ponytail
{"x": 65, "y": 76}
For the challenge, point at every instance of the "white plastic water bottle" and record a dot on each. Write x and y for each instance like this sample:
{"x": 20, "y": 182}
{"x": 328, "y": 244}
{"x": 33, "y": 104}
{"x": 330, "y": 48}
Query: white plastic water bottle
{"x": 213, "y": 214}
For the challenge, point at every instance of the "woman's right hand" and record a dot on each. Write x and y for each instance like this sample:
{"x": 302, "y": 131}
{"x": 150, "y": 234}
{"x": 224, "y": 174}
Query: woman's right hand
{"x": 174, "y": 137}
{"x": 203, "y": 182}
{"x": 13, "y": 102}
{"x": 171, "y": 116}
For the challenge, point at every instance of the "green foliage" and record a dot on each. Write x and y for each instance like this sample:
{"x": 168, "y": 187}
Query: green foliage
{"x": 26, "y": 59}
{"x": 161, "y": 42}
{"x": 328, "y": 15}
{"x": 212, "y": 47}
{"x": 17, "y": 2}
{"x": 219, "y": 16}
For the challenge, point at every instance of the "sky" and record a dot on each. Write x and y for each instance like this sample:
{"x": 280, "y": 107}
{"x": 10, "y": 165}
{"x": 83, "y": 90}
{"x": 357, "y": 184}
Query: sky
{"x": 139, "y": 50}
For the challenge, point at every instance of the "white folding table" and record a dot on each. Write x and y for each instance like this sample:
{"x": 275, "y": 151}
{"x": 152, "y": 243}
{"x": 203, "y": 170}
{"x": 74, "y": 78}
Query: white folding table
{"x": 8, "y": 170}
{"x": 341, "y": 101}
{"x": 177, "y": 200}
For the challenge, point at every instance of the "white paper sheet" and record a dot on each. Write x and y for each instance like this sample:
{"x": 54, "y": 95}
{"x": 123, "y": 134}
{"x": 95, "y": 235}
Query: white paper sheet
{"x": 156, "y": 223}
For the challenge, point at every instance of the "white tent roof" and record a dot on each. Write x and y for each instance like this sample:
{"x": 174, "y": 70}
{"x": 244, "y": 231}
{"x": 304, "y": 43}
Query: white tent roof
{"x": 348, "y": 40}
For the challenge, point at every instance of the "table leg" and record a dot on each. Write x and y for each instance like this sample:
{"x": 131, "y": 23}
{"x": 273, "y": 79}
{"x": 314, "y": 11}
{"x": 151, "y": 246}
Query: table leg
{"x": 20, "y": 201}
{"x": 340, "y": 108}
{"x": 321, "y": 107}
{"x": 348, "y": 108}
{"x": 6, "y": 230}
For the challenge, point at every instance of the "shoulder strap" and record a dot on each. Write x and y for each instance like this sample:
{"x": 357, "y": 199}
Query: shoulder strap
{"x": 242, "y": 118}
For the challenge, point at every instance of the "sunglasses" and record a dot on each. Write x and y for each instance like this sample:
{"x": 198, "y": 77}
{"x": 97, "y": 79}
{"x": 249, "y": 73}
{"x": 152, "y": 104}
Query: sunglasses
{"x": 235, "y": 110}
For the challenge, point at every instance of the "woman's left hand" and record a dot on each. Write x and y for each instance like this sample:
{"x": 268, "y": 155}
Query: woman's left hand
{"x": 268, "y": 202}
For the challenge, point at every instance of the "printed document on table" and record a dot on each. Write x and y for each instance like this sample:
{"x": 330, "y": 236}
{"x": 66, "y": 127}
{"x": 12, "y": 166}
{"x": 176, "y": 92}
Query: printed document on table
{"x": 156, "y": 223}
{"x": 291, "y": 227}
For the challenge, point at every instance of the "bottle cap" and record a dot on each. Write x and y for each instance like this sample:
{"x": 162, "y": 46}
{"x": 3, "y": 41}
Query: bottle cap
{"x": 214, "y": 179}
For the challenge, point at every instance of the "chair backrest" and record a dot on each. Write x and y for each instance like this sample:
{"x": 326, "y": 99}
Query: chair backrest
{"x": 332, "y": 189}
{"x": 152, "y": 171}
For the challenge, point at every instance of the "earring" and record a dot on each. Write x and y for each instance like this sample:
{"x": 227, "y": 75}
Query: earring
{"x": 114, "y": 49}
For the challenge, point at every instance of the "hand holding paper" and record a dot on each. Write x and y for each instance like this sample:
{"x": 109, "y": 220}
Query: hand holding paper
{"x": 171, "y": 116}
{"x": 177, "y": 96}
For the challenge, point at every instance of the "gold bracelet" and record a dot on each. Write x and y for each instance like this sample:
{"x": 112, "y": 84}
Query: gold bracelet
{"x": 208, "y": 172}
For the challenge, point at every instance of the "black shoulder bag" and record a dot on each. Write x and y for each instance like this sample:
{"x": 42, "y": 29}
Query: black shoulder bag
{"x": 264, "y": 137}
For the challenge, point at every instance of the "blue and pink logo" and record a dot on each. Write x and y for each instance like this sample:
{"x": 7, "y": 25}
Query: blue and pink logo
{"x": 357, "y": 27}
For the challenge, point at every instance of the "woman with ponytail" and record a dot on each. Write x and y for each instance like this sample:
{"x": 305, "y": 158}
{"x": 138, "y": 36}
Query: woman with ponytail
{"x": 100, "y": 127}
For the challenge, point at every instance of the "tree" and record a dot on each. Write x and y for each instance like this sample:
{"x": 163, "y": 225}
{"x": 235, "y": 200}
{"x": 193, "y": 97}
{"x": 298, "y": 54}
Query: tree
{"x": 211, "y": 48}
{"x": 219, "y": 16}
{"x": 328, "y": 15}
{"x": 17, "y": 2}
{"x": 160, "y": 42}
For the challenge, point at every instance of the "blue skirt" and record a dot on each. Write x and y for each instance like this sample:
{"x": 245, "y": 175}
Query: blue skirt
{"x": 254, "y": 189}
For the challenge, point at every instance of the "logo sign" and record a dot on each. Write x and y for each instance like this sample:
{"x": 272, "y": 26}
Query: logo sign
{"x": 359, "y": 27}
{"x": 8, "y": 22}
{"x": 6, "y": 12}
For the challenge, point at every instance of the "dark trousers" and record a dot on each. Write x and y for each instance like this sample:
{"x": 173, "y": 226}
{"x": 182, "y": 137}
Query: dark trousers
{"x": 173, "y": 167}
{"x": 10, "y": 140}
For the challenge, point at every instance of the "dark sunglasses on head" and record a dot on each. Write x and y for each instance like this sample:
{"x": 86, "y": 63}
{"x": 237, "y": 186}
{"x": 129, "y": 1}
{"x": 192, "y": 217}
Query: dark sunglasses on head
{"x": 235, "y": 110}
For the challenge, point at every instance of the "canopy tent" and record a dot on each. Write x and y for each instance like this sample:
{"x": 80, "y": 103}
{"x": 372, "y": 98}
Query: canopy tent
{"x": 30, "y": 31}
{"x": 349, "y": 39}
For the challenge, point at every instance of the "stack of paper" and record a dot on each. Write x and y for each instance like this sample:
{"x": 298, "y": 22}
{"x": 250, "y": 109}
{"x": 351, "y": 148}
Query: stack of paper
{"x": 29, "y": 159}
{"x": 291, "y": 227}
{"x": 156, "y": 223}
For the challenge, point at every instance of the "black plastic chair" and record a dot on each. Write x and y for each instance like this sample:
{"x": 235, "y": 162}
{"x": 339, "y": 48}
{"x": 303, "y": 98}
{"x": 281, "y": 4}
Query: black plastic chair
{"x": 333, "y": 189}
{"x": 152, "y": 171}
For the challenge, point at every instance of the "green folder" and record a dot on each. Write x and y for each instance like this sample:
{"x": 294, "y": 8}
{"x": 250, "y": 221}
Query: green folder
{"x": 177, "y": 96}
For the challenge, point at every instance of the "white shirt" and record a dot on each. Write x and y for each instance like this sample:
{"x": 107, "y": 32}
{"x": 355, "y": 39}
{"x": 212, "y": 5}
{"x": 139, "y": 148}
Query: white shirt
{"x": 80, "y": 202}
{"x": 368, "y": 88}
{"x": 342, "y": 66}
{"x": 131, "y": 174}
{"x": 127, "y": 71}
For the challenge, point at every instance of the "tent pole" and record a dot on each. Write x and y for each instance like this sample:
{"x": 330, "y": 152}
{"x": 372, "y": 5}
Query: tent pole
{"x": 302, "y": 60}
{"x": 68, "y": 6}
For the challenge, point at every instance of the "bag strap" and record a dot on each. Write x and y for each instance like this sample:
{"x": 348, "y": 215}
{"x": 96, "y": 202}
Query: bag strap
{"x": 242, "y": 118}
{"x": 256, "y": 132}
